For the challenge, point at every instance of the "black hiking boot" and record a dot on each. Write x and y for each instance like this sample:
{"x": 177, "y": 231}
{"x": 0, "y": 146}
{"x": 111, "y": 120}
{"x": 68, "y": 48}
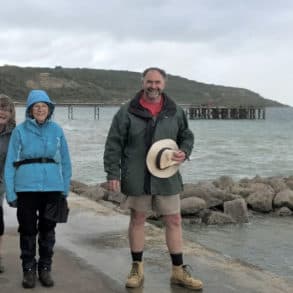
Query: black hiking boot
{"x": 29, "y": 279}
{"x": 46, "y": 278}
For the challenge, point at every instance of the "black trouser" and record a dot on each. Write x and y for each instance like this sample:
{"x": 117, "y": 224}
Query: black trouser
{"x": 30, "y": 215}
{"x": 1, "y": 221}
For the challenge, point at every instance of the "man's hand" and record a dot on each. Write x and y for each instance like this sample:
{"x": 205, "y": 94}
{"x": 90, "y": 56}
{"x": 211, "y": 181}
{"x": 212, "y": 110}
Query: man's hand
{"x": 13, "y": 204}
{"x": 114, "y": 185}
{"x": 179, "y": 156}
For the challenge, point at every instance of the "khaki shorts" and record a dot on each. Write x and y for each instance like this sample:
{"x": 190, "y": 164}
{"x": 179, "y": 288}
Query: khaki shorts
{"x": 161, "y": 204}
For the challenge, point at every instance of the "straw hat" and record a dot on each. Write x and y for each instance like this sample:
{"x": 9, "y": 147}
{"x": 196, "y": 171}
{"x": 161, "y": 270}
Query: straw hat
{"x": 159, "y": 158}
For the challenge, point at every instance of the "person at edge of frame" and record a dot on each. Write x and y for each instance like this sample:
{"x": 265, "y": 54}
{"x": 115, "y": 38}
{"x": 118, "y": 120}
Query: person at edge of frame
{"x": 7, "y": 124}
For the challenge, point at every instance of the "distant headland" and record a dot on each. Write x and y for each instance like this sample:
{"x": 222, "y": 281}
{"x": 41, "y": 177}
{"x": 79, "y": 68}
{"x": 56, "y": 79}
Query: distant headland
{"x": 84, "y": 85}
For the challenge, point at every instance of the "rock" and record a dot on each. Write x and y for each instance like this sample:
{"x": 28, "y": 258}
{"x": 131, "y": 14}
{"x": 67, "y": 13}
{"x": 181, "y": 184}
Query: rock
{"x": 217, "y": 218}
{"x": 284, "y": 212}
{"x": 289, "y": 178}
{"x": 259, "y": 179}
{"x": 224, "y": 183}
{"x": 202, "y": 202}
{"x": 188, "y": 190}
{"x": 116, "y": 197}
{"x": 237, "y": 210}
{"x": 208, "y": 192}
{"x": 240, "y": 190}
{"x": 94, "y": 192}
{"x": 284, "y": 198}
{"x": 192, "y": 205}
{"x": 289, "y": 183}
{"x": 195, "y": 220}
{"x": 77, "y": 187}
{"x": 244, "y": 180}
{"x": 262, "y": 197}
{"x": 277, "y": 184}
{"x": 104, "y": 185}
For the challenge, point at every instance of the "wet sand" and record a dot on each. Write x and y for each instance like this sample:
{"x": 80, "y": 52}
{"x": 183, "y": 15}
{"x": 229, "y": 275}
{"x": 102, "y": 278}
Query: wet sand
{"x": 92, "y": 255}
{"x": 71, "y": 274}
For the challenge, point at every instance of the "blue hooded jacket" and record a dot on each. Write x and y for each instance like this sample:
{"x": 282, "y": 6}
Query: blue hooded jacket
{"x": 33, "y": 140}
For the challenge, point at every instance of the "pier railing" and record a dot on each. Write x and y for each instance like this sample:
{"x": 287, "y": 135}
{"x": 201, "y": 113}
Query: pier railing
{"x": 193, "y": 112}
{"x": 239, "y": 112}
{"x": 70, "y": 107}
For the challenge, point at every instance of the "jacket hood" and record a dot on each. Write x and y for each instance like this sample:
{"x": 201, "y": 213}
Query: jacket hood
{"x": 37, "y": 96}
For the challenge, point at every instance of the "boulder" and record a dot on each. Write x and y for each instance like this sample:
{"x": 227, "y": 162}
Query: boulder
{"x": 277, "y": 184}
{"x": 284, "y": 198}
{"x": 77, "y": 187}
{"x": 259, "y": 179}
{"x": 261, "y": 198}
{"x": 237, "y": 210}
{"x": 217, "y": 218}
{"x": 116, "y": 197}
{"x": 289, "y": 183}
{"x": 208, "y": 192}
{"x": 94, "y": 192}
{"x": 192, "y": 205}
{"x": 283, "y": 212}
{"x": 224, "y": 183}
{"x": 242, "y": 191}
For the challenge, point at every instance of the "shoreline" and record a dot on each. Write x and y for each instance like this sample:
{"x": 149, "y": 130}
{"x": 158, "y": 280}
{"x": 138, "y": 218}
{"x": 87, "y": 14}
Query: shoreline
{"x": 92, "y": 253}
{"x": 206, "y": 262}
{"x": 212, "y": 257}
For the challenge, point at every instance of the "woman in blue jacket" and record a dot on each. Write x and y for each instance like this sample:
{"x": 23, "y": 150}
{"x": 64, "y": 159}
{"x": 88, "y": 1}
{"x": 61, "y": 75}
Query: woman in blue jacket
{"x": 37, "y": 172}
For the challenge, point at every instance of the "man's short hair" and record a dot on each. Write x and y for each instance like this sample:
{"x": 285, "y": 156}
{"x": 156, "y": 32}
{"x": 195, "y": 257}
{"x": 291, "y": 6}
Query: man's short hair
{"x": 161, "y": 71}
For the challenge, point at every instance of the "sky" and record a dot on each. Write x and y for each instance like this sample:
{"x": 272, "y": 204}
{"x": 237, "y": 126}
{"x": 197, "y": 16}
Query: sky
{"x": 239, "y": 43}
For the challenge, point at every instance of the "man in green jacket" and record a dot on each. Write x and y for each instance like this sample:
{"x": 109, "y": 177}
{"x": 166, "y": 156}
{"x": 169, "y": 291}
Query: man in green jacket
{"x": 151, "y": 116}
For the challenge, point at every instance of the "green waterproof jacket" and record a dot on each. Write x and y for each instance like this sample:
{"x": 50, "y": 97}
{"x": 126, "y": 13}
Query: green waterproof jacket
{"x": 131, "y": 134}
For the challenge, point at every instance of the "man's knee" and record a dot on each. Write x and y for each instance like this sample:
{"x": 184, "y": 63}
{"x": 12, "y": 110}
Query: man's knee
{"x": 137, "y": 218}
{"x": 173, "y": 220}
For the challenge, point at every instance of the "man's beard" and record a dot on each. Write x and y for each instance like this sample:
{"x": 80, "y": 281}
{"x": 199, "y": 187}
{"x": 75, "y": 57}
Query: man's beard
{"x": 153, "y": 93}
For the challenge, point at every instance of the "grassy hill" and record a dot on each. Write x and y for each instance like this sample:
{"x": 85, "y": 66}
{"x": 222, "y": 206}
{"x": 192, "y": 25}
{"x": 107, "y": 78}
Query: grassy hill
{"x": 113, "y": 86}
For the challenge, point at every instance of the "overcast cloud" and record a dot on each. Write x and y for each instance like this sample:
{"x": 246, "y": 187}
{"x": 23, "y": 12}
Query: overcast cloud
{"x": 242, "y": 43}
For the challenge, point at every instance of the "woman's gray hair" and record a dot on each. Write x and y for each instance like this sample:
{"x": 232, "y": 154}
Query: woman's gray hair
{"x": 7, "y": 104}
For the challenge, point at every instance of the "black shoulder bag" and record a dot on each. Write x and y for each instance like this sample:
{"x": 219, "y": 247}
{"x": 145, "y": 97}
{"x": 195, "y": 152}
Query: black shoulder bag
{"x": 57, "y": 211}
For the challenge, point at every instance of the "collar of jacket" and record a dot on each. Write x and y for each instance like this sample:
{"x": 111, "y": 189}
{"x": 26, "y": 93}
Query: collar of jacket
{"x": 8, "y": 129}
{"x": 33, "y": 126}
{"x": 169, "y": 107}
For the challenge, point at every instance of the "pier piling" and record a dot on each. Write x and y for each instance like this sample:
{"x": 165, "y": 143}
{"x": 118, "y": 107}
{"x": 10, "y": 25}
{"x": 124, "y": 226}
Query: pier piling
{"x": 224, "y": 113}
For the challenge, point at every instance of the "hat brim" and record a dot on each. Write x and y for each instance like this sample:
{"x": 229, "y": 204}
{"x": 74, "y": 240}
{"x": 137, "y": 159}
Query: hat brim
{"x": 152, "y": 155}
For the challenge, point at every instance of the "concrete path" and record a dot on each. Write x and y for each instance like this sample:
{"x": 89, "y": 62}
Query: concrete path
{"x": 92, "y": 255}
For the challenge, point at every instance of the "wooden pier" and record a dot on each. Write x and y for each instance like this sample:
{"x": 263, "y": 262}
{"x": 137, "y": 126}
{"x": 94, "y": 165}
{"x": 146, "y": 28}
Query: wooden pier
{"x": 225, "y": 113}
{"x": 70, "y": 107}
{"x": 193, "y": 112}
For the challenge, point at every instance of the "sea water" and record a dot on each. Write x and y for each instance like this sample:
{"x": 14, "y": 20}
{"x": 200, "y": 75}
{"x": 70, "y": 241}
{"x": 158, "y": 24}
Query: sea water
{"x": 237, "y": 148}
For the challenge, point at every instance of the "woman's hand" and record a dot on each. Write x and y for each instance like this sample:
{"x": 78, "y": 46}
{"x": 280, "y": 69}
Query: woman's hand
{"x": 13, "y": 204}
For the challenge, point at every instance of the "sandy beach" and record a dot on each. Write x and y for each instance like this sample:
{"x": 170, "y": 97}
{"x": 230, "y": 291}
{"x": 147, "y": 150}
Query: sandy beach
{"x": 92, "y": 255}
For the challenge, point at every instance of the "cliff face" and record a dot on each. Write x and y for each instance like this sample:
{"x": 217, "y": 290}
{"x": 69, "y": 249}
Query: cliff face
{"x": 109, "y": 86}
